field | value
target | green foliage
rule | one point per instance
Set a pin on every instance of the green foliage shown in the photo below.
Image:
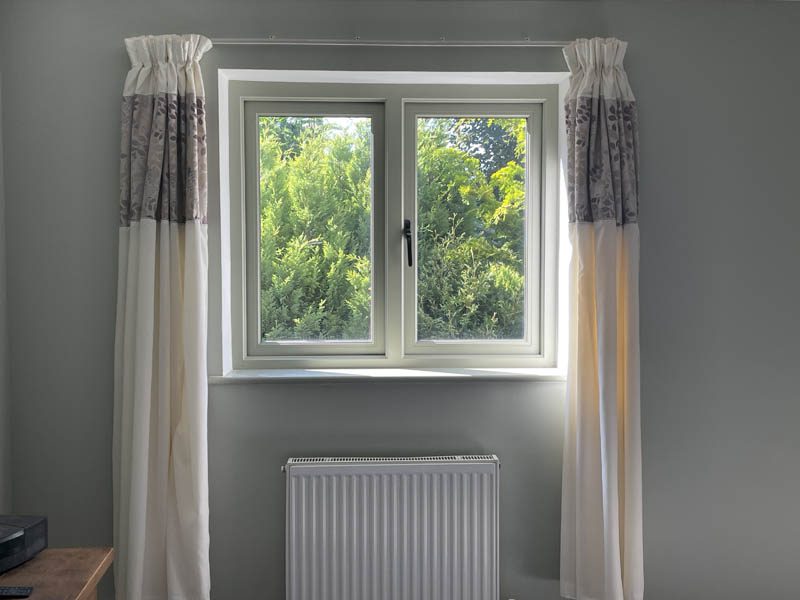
(470, 194)
(315, 228)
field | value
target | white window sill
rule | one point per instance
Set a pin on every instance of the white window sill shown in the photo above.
(305, 375)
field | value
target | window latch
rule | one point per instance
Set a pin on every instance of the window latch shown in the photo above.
(409, 246)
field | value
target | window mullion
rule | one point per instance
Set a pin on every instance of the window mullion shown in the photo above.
(393, 226)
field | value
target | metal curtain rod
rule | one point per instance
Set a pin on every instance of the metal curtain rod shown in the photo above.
(357, 41)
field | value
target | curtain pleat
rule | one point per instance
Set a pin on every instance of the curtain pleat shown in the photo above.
(161, 395)
(601, 530)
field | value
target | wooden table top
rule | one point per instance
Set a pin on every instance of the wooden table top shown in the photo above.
(62, 573)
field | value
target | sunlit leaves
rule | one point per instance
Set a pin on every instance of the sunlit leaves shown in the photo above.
(471, 203)
(315, 199)
(315, 203)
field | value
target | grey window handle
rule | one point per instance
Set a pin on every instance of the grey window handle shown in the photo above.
(409, 245)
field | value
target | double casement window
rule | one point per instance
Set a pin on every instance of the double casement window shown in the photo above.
(393, 224)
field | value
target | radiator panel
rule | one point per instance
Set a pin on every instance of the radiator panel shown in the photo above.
(409, 529)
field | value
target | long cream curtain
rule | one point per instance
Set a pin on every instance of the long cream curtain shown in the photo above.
(161, 388)
(601, 529)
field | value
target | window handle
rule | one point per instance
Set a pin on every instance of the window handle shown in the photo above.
(409, 246)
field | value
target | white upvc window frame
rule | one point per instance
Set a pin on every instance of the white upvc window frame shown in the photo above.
(539, 352)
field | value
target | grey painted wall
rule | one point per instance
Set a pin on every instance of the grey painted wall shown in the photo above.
(5, 390)
(717, 87)
(719, 296)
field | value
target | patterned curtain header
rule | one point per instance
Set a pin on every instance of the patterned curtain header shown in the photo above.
(602, 134)
(163, 173)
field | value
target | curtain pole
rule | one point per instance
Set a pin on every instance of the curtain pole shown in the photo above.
(357, 41)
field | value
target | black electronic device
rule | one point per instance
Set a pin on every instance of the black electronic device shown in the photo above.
(21, 538)
(15, 591)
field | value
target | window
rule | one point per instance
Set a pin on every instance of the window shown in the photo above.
(392, 225)
(472, 185)
(315, 228)
(314, 193)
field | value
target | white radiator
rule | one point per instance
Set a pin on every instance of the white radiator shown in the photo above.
(392, 528)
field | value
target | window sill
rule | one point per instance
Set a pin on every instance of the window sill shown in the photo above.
(347, 375)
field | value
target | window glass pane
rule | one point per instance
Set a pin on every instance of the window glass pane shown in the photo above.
(315, 199)
(471, 228)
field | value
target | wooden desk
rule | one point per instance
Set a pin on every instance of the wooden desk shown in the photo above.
(62, 573)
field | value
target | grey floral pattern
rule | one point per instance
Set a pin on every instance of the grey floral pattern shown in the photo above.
(603, 159)
(163, 162)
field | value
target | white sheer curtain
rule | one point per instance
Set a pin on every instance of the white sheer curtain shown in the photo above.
(601, 529)
(161, 394)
